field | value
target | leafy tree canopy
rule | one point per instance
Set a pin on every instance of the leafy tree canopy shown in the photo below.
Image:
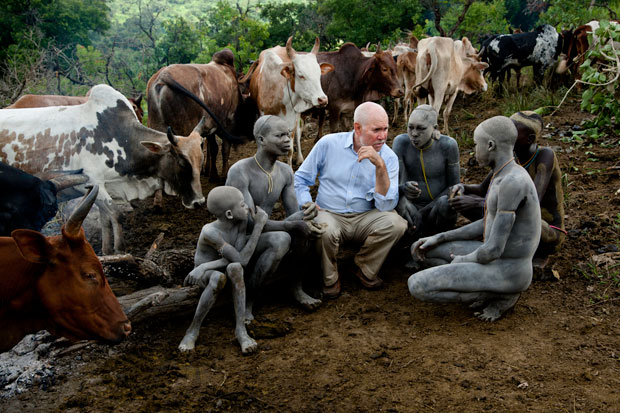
(363, 21)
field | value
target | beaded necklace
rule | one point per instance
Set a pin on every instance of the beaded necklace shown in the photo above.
(529, 162)
(423, 169)
(269, 176)
(484, 223)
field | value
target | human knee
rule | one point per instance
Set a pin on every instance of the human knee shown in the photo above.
(217, 282)
(416, 286)
(234, 271)
(390, 224)
(281, 243)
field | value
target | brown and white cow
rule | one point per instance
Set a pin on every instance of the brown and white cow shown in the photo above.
(213, 85)
(104, 138)
(355, 79)
(285, 83)
(406, 56)
(57, 284)
(444, 67)
(41, 101)
(575, 45)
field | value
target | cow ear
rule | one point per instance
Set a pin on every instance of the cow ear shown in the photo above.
(32, 245)
(287, 70)
(370, 68)
(326, 68)
(481, 65)
(156, 147)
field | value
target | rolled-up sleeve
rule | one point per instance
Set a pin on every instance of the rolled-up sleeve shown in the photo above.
(388, 201)
(305, 176)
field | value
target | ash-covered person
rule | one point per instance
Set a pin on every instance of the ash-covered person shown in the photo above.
(492, 273)
(263, 181)
(544, 169)
(357, 193)
(428, 167)
(224, 245)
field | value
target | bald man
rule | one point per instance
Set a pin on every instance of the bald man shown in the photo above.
(358, 190)
(492, 273)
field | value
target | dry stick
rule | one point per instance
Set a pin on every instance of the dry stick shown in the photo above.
(617, 70)
(602, 302)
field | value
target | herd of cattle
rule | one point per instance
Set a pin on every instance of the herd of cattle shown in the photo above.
(67, 143)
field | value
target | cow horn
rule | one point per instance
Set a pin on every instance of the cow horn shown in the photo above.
(289, 48)
(173, 139)
(378, 48)
(67, 181)
(315, 48)
(74, 223)
(201, 125)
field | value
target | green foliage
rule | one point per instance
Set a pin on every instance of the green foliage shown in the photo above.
(180, 43)
(566, 14)
(300, 20)
(236, 29)
(519, 16)
(362, 21)
(483, 17)
(601, 71)
(64, 23)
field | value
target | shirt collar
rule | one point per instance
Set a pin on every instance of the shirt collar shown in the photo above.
(348, 142)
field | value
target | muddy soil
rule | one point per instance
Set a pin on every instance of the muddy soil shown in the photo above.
(558, 350)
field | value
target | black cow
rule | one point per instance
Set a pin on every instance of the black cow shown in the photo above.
(539, 48)
(29, 202)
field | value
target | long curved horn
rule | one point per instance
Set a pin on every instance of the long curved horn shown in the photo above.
(173, 139)
(289, 48)
(67, 181)
(74, 223)
(315, 48)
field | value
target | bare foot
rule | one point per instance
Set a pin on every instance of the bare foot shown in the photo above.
(540, 262)
(498, 307)
(248, 345)
(249, 317)
(308, 302)
(189, 341)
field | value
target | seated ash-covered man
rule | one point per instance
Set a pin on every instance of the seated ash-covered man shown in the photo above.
(492, 273)
(357, 192)
(224, 249)
(429, 166)
(263, 181)
(544, 169)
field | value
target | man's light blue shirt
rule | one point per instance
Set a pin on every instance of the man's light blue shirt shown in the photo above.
(345, 185)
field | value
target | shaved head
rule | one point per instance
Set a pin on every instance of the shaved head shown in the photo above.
(223, 198)
(367, 112)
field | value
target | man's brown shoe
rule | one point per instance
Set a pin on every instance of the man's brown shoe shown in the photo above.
(368, 283)
(332, 291)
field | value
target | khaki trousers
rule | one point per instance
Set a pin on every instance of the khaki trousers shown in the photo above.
(377, 231)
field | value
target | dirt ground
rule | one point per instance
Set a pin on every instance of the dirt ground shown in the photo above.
(559, 350)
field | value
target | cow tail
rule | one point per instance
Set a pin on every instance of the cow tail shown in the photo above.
(246, 78)
(221, 132)
(432, 69)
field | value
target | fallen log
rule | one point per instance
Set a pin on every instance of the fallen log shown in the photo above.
(158, 300)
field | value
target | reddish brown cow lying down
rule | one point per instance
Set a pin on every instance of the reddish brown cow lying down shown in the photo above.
(56, 284)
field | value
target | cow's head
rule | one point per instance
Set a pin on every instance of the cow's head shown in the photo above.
(179, 166)
(473, 77)
(136, 104)
(304, 74)
(379, 76)
(73, 289)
